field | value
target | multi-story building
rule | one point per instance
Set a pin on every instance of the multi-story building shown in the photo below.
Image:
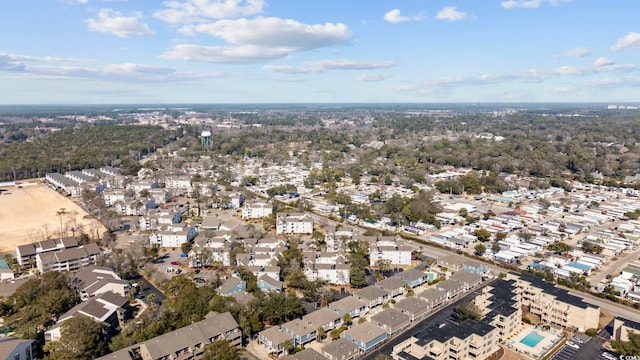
(556, 306)
(469, 339)
(294, 223)
(68, 259)
(185, 343)
(257, 210)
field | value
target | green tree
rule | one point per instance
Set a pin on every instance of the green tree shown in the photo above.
(321, 333)
(630, 347)
(559, 247)
(358, 278)
(81, 339)
(468, 310)
(482, 234)
(480, 249)
(221, 350)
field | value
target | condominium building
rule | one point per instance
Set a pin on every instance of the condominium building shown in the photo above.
(556, 306)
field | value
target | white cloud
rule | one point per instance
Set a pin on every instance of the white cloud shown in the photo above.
(320, 66)
(371, 77)
(631, 40)
(190, 11)
(450, 13)
(56, 68)
(274, 32)
(528, 4)
(578, 52)
(395, 17)
(224, 54)
(113, 22)
(602, 61)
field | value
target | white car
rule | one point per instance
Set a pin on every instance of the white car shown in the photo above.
(609, 356)
(573, 345)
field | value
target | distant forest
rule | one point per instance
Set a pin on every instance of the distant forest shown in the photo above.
(554, 147)
(32, 153)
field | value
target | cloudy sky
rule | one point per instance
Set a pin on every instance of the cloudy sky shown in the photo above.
(286, 51)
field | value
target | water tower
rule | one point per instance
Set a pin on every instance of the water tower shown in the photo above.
(205, 139)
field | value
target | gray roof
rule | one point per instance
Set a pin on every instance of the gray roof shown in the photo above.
(243, 298)
(433, 294)
(8, 345)
(450, 285)
(197, 333)
(299, 327)
(340, 347)
(371, 292)
(229, 285)
(365, 332)
(275, 335)
(391, 284)
(466, 277)
(306, 354)
(321, 317)
(411, 275)
(348, 304)
(391, 318)
(412, 305)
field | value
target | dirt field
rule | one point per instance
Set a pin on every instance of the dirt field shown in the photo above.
(29, 214)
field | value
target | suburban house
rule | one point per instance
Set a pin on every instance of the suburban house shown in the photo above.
(17, 349)
(267, 283)
(413, 277)
(468, 280)
(414, 307)
(392, 285)
(372, 296)
(302, 331)
(185, 343)
(108, 309)
(366, 335)
(95, 280)
(391, 320)
(350, 305)
(451, 287)
(274, 338)
(341, 349)
(231, 286)
(293, 223)
(434, 297)
(326, 318)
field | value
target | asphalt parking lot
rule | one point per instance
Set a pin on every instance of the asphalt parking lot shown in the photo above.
(591, 348)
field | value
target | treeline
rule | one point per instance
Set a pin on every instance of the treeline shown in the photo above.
(75, 148)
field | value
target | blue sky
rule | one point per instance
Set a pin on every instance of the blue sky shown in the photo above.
(263, 51)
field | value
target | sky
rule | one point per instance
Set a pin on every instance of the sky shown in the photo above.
(318, 51)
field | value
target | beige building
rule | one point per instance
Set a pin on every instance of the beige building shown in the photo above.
(556, 306)
(622, 327)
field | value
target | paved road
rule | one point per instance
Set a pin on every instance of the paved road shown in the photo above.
(606, 305)
(440, 316)
(614, 266)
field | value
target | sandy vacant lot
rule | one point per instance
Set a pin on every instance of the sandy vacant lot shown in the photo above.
(29, 214)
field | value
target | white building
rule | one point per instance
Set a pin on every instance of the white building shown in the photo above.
(294, 223)
(394, 255)
(257, 210)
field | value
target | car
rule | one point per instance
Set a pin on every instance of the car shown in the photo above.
(609, 356)
(577, 340)
(175, 263)
(573, 345)
(178, 271)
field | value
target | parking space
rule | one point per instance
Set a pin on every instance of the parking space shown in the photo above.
(566, 353)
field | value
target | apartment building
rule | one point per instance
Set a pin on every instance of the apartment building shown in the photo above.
(556, 306)
(294, 223)
(185, 343)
